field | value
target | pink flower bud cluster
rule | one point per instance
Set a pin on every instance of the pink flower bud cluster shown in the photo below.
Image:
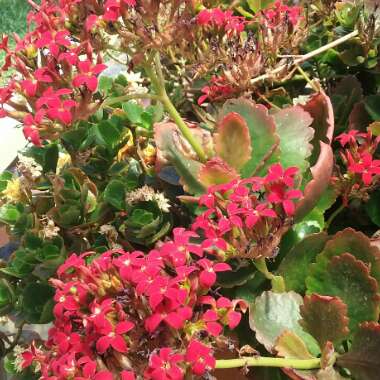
(246, 212)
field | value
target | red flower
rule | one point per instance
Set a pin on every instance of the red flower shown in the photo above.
(175, 317)
(348, 138)
(113, 336)
(278, 194)
(54, 40)
(207, 276)
(366, 166)
(57, 108)
(164, 366)
(254, 215)
(128, 375)
(200, 358)
(218, 90)
(277, 173)
(30, 129)
(88, 74)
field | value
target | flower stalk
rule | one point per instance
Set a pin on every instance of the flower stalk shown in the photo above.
(314, 363)
(158, 81)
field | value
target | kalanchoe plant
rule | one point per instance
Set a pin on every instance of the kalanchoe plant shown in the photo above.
(200, 191)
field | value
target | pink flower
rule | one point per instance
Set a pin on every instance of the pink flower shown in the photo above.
(103, 375)
(174, 317)
(207, 276)
(277, 173)
(200, 358)
(54, 40)
(254, 215)
(366, 166)
(128, 375)
(88, 74)
(165, 366)
(30, 128)
(278, 194)
(113, 336)
(348, 138)
(57, 108)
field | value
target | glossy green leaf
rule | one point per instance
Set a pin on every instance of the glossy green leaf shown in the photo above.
(114, 194)
(295, 265)
(349, 279)
(293, 128)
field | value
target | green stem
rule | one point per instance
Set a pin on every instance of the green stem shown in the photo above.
(269, 362)
(278, 283)
(158, 82)
(124, 98)
(334, 215)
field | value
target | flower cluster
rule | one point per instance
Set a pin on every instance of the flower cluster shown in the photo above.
(219, 89)
(57, 74)
(222, 20)
(361, 170)
(279, 12)
(247, 213)
(134, 314)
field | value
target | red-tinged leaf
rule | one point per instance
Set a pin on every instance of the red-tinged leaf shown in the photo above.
(293, 128)
(262, 131)
(363, 359)
(232, 140)
(349, 279)
(290, 345)
(325, 318)
(320, 108)
(346, 94)
(357, 244)
(215, 172)
(359, 118)
(322, 374)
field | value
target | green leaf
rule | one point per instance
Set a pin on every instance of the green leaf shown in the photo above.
(262, 130)
(140, 218)
(232, 140)
(349, 279)
(9, 214)
(4, 178)
(133, 111)
(105, 84)
(295, 266)
(372, 207)
(258, 5)
(38, 302)
(363, 359)
(325, 318)
(346, 94)
(274, 313)
(372, 106)
(114, 194)
(107, 134)
(293, 127)
(171, 148)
